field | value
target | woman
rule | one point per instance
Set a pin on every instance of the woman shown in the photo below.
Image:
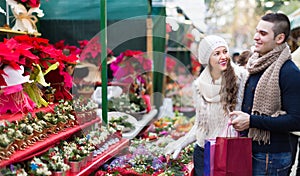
(243, 58)
(216, 92)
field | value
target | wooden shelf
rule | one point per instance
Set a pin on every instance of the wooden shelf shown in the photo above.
(13, 32)
(42, 146)
(101, 159)
(19, 116)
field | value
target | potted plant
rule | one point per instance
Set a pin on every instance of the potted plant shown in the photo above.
(16, 135)
(38, 167)
(71, 153)
(14, 170)
(50, 120)
(55, 162)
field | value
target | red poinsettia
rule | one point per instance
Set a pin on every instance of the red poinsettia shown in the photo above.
(170, 64)
(91, 51)
(29, 3)
(29, 51)
(129, 64)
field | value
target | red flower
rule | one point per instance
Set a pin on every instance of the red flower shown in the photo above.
(2, 81)
(29, 3)
(129, 65)
(170, 64)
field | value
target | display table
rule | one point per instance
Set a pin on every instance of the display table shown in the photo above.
(102, 158)
(138, 124)
(42, 146)
(141, 124)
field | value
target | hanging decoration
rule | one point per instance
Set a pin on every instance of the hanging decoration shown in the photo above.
(26, 14)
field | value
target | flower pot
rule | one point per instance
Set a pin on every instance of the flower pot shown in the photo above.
(58, 173)
(6, 152)
(75, 166)
(90, 157)
(39, 135)
(83, 162)
(52, 128)
(19, 144)
(80, 117)
(31, 139)
(62, 126)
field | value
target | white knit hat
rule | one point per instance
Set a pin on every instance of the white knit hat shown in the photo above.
(207, 45)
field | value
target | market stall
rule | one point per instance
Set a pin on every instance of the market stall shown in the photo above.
(52, 83)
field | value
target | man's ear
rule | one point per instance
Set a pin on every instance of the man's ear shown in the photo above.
(280, 38)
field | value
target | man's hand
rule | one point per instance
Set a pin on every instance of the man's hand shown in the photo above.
(240, 120)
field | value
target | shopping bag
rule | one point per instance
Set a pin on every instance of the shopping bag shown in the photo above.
(233, 156)
(209, 151)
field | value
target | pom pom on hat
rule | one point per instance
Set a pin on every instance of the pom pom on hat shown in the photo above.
(207, 45)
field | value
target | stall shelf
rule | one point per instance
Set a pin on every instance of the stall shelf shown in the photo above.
(101, 159)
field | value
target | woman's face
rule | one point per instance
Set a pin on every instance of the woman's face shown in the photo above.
(219, 59)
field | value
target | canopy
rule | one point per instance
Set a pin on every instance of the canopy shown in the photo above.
(295, 19)
(90, 9)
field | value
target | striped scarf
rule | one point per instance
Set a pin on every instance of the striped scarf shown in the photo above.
(267, 98)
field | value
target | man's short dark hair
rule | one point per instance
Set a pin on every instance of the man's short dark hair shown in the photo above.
(281, 23)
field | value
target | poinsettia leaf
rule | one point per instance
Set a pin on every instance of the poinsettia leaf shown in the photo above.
(2, 80)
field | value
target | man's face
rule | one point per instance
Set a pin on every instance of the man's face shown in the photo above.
(264, 38)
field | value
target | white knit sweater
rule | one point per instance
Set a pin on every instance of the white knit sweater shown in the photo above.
(210, 121)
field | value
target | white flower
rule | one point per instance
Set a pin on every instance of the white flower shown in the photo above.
(4, 140)
(21, 172)
(10, 132)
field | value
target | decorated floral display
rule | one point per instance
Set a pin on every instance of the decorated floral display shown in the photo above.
(16, 170)
(55, 160)
(91, 51)
(127, 103)
(129, 65)
(39, 60)
(8, 133)
(82, 104)
(121, 123)
(24, 11)
(87, 73)
(38, 167)
(29, 3)
(147, 158)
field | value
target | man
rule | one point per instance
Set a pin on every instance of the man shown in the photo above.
(270, 109)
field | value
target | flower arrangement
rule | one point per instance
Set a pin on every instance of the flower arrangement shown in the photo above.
(16, 170)
(127, 103)
(98, 137)
(38, 167)
(55, 160)
(9, 133)
(39, 59)
(120, 123)
(91, 51)
(147, 158)
(29, 3)
(24, 12)
(129, 64)
(71, 151)
(82, 104)
(47, 117)
(4, 140)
